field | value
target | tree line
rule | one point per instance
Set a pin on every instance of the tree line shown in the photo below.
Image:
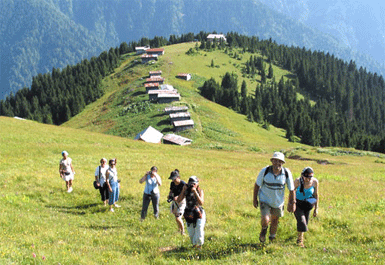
(55, 97)
(349, 109)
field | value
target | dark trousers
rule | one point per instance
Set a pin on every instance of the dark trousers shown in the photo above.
(302, 217)
(104, 192)
(154, 197)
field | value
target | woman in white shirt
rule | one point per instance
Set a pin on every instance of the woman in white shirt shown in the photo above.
(151, 192)
(100, 177)
(66, 170)
(113, 185)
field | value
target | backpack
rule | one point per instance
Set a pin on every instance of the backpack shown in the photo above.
(96, 183)
(269, 168)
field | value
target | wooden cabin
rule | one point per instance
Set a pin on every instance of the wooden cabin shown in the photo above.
(179, 116)
(176, 139)
(183, 125)
(175, 109)
(184, 76)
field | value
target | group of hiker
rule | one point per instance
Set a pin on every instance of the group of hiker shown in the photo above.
(269, 188)
(187, 198)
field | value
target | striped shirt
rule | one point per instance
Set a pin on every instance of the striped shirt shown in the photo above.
(272, 188)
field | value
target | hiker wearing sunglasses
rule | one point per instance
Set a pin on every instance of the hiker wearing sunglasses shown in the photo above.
(269, 188)
(307, 194)
(113, 184)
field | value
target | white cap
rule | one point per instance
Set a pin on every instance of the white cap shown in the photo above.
(193, 179)
(279, 156)
(64, 153)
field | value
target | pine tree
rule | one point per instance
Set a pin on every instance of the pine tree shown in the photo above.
(290, 129)
(271, 73)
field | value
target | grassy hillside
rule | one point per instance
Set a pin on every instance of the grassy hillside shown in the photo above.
(215, 126)
(39, 217)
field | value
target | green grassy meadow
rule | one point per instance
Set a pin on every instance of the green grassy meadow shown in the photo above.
(39, 218)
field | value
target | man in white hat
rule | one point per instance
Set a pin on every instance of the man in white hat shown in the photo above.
(270, 189)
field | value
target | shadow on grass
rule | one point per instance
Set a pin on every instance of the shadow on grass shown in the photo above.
(167, 130)
(210, 254)
(82, 209)
(159, 115)
(102, 227)
(163, 122)
(291, 76)
(76, 209)
(139, 93)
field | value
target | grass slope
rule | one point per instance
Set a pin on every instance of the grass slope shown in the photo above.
(39, 217)
(216, 127)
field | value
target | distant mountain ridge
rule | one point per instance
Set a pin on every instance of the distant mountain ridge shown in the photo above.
(37, 35)
(359, 24)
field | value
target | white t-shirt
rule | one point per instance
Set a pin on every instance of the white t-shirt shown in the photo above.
(272, 188)
(66, 164)
(113, 174)
(102, 173)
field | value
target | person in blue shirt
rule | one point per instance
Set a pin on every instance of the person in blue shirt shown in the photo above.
(151, 192)
(307, 195)
(269, 188)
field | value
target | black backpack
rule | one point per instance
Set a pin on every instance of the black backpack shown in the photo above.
(270, 168)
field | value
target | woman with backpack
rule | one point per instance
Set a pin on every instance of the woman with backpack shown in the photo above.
(194, 214)
(307, 195)
(177, 209)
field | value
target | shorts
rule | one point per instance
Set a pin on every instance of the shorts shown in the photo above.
(268, 210)
(178, 210)
(68, 177)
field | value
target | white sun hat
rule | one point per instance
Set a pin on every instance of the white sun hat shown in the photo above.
(279, 156)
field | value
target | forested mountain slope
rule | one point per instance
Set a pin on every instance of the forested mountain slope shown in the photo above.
(37, 35)
(358, 24)
(278, 85)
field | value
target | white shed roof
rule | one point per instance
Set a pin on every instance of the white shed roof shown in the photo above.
(150, 135)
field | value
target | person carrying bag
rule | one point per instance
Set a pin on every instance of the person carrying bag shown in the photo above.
(307, 195)
(100, 180)
(194, 214)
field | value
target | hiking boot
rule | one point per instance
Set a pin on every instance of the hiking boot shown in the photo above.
(262, 235)
(300, 240)
(271, 239)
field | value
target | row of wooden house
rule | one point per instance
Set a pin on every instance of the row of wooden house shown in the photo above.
(180, 118)
(159, 92)
(163, 93)
(150, 54)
